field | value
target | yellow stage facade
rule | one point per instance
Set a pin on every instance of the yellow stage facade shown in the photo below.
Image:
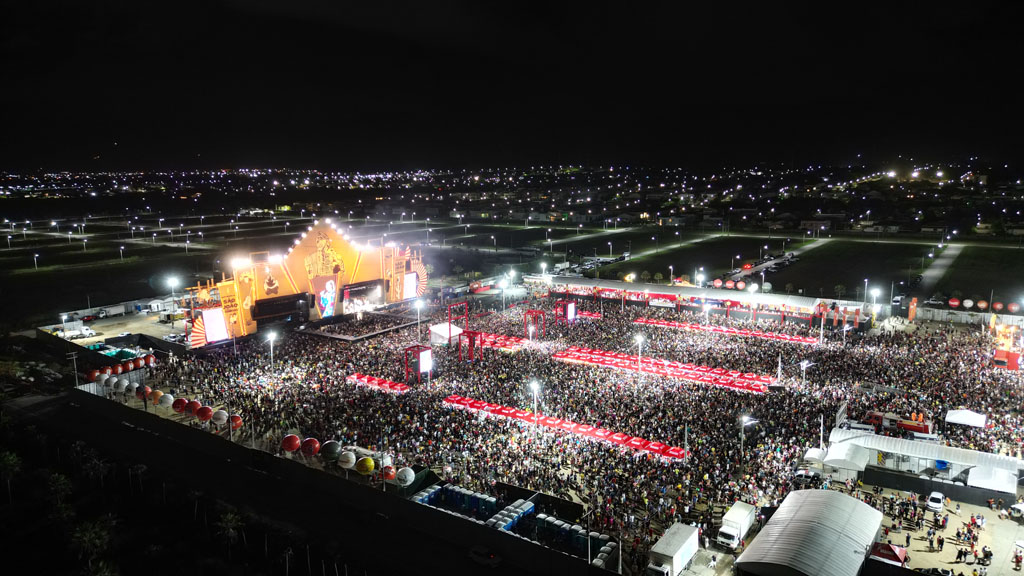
(324, 270)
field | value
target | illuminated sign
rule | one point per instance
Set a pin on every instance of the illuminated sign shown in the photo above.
(426, 361)
(216, 329)
(409, 283)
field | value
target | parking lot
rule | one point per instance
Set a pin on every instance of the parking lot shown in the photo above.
(141, 323)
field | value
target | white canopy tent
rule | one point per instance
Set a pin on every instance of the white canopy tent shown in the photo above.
(847, 456)
(813, 533)
(992, 479)
(816, 455)
(966, 417)
(441, 333)
(924, 450)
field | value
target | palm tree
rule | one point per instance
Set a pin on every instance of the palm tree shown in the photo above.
(658, 277)
(840, 290)
(645, 276)
(10, 465)
(96, 469)
(59, 486)
(789, 288)
(91, 539)
(229, 525)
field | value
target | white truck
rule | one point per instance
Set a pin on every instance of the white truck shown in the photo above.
(83, 332)
(674, 551)
(735, 524)
(109, 311)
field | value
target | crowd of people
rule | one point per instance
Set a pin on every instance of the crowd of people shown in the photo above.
(631, 494)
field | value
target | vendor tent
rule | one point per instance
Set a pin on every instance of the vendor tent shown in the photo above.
(992, 479)
(848, 456)
(813, 533)
(816, 455)
(889, 553)
(965, 417)
(441, 333)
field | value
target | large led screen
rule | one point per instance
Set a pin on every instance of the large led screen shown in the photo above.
(213, 319)
(409, 284)
(362, 296)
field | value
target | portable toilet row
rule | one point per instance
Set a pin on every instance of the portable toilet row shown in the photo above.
(511, 514)
(428, 495)
(465, 499)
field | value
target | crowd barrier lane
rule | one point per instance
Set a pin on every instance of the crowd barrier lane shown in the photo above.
(747, 382)
(617, 438)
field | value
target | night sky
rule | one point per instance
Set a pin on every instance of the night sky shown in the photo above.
(378, 85)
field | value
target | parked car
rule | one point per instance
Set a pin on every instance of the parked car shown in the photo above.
(936, 501)
(806, 476)
(88, 318)
(934, 302)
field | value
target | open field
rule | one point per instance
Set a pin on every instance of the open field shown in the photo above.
(848, 263)
(981, 271)
(715, 254)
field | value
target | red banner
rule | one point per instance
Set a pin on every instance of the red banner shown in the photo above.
(378, 383)
(726, 330)
(618, 438)
(734, 379)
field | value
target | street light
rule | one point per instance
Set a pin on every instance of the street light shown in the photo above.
(732, 265)
(543, 268)
(503, 284)
(493, 239)
(172, 281)
(671, 274)
(419, 306)
(84, 240)
(35, 260)
(639, 350)
(122, 253)
(535, 388)
(270, 338)
(804, 365)
(744, 422)
(609, 249)
(700, 280)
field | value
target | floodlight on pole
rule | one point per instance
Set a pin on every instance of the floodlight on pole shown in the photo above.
(270, 338)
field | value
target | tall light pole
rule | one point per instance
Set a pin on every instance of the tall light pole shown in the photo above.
(9, 240)
(609, 249)
(69, 237)
(63, 324)
(270, 338)
(419, 306)
(122, 253)
(804, 365)
(657, 244)
(84, 240)
(173, 282)
(744, 422)
(535, 388)
(543, 268)
(865, 305)
(732, 264)
(35, 260)
(639, 350)
(671, 274)
(495, 240)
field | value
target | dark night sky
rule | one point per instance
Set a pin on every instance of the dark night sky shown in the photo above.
(368, 85)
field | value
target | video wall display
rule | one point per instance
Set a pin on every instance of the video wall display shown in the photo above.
(362, 297)
(410, 282)
(216, 329)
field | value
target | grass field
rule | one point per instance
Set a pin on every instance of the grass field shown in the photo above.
(714, 254)
(848, 263)
(981, 271)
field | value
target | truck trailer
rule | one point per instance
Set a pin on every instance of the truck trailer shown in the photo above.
(735, 524)
(674, 551)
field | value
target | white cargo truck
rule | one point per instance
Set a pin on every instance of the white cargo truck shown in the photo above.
(735, 524)
(674, 551)
(112, 311)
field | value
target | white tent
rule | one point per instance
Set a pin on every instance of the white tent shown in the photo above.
(992, 479)
(441, 333)
(925, 450)
(848, 456)
(813, 533)
(815, 455)
(965, 417)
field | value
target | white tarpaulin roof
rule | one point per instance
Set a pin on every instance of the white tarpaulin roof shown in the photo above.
(992, 479)
(815, 455)
(439, 332)
(814, 533)
(925, 450)
(847, 456)
(965, 417)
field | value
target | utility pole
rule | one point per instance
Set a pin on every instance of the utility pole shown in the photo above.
(73, 356)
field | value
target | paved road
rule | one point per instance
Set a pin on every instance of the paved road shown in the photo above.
(938, 268)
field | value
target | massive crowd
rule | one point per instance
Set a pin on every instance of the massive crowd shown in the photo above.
(628, 493)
